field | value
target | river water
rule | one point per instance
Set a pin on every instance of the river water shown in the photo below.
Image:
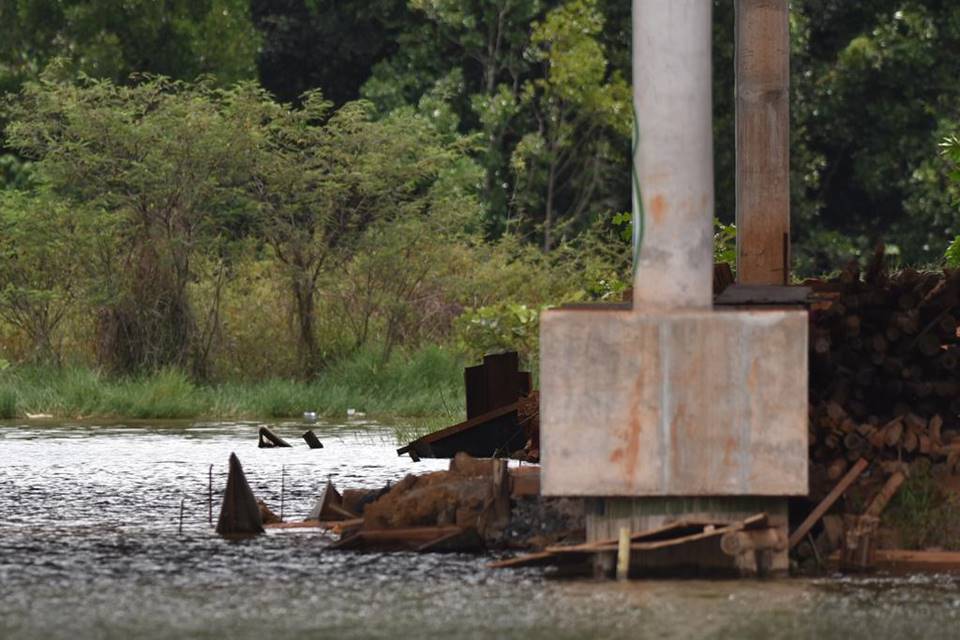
(89, 548)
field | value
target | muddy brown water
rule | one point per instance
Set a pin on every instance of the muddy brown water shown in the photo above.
(89, 549)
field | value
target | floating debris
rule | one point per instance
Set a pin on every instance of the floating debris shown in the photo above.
(312, 440)
(267, 439)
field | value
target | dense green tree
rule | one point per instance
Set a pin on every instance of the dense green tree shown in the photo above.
(330, 45)
(168, 163)
(324, 177)
(876, 91)
(45, 246)
(113, 38)
(567, 161)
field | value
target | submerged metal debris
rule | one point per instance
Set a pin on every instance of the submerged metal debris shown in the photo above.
(240, 513)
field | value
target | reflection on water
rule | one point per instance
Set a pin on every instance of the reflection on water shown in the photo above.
(89, 549)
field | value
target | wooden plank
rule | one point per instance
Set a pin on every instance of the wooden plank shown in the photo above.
(672, 542)
(763, 141)
(672, 530)
(828, 501)
(661, 538)
(267, 439)
(905, 560)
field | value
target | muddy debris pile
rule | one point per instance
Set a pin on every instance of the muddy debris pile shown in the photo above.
(477, 504)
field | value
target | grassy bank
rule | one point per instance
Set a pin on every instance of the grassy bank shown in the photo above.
(426, 384)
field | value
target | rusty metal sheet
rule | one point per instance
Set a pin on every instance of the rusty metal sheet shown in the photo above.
(680, 403)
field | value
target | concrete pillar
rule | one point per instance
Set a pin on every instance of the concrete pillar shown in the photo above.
(674, 154)
(763, 141)
(671, 410)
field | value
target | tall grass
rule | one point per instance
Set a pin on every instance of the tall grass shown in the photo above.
(8, 403)
(424, 384)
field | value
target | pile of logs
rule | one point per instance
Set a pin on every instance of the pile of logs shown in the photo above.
(885, 367)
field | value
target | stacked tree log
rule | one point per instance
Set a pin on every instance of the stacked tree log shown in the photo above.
(884, 368)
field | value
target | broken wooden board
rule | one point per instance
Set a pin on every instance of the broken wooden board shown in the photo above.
(267, 439)
(493, 434)
(904, 561)
(824, 506)
(657, 547)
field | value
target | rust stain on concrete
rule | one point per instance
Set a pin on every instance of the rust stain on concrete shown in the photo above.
(630, 453)
(729, 449)
(658, 208)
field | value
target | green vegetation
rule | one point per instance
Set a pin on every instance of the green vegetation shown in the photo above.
(923, 513)
(426, 385)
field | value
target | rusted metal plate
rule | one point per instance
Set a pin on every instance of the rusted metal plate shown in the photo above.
(683, 403)
(495, 383)
(493, 434)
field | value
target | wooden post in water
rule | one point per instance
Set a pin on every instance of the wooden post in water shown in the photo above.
(210, 496)
(623, 554)
(180, 528)
(763, 141)
(283, 479)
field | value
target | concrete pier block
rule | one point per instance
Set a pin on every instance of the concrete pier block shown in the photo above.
(674, 403)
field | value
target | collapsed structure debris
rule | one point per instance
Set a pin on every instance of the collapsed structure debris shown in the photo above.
(474, 505)
(739, 548)
(502, 416)
(267, 439)
(312, 440)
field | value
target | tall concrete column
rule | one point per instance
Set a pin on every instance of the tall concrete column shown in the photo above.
(674, 155)
(763, 141)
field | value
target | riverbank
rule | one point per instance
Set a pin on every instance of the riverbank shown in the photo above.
(426, 385)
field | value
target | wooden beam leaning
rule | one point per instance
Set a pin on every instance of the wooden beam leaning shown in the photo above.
(827, 502)
(763, 141)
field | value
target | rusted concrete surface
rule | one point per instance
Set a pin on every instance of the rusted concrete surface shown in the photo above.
(685, 403)
(674, 151)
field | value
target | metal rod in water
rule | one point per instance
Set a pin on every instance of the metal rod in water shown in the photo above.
(283, 473)
(180, 528)
(210, 496)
